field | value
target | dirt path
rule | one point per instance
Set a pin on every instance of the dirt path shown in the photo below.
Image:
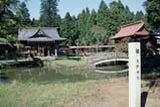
(112, 94)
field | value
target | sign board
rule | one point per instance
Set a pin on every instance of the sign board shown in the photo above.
(134, 74)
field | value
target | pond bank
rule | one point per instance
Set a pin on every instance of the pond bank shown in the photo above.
(26, 62)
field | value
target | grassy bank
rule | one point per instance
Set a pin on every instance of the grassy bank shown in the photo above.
(17, 94)
(69, 63)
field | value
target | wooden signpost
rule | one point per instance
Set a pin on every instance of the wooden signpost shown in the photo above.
(134, 74)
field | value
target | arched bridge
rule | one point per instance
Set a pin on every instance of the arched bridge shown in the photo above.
(106, 57)
(111, 60)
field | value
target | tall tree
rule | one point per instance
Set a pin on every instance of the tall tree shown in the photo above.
(93, 17)
(48, 12)
(119, 14)
(23, 15)
(139, 16)
(68, 29)
(35, 22)
(102, 15)
(8, 23)
(83, 24)
(7, 7)
(153, 14)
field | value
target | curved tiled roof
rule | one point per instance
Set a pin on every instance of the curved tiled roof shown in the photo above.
(30, 34)
(132, 29)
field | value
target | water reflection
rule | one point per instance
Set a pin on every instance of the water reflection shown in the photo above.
(47, 74)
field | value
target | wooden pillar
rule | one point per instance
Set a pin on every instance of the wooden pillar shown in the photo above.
(55, 52)
(48, 52)
(42, 51)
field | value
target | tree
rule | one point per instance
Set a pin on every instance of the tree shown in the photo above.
(8, 23)
(153, 14)
(35, 22)
(7, 7)
(98, 35)
(93, 17)
(68, 29)
(139, 16)
(122, 45)
(119, 14)
(48, 12)
(23, 15)
(103, 15)
(83, 26)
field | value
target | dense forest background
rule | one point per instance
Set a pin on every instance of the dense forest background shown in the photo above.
(88, 28)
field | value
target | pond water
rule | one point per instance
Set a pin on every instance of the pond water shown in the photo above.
(56, 73)
(112, 68)
(46, 74)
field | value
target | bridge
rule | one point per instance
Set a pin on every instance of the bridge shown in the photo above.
(106, 57)
(111, 60)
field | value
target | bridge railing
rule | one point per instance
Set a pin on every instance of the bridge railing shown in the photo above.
(106, 56)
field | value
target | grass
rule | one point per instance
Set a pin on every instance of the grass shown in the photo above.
(69, 63)
(17, 94)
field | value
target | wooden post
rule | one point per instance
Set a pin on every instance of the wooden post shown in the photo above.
(134, 74)
(55, 52)
(48, 51)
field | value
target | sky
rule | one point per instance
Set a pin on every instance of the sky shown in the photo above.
(76, 6)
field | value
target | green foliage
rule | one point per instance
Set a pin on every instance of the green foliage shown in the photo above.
(83, 26)
(102, 15)
(13, 14)
(153, 14)
(23, 15)
(7, 20)
(91, 27)
(35, 23)
(48, 12)
(139, 15)
(68, 29)
(99, 35)
(118, 15)
(122, 45)
(88, 28)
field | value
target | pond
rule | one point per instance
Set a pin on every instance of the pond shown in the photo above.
(109, 68)
(61, 71)
(47, 74)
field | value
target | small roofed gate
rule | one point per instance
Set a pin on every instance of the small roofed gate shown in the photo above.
(40, 41)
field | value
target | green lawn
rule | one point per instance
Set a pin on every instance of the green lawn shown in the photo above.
(17, 94)
(69, 63)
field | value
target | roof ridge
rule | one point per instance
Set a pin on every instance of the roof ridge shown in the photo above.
(129, 24)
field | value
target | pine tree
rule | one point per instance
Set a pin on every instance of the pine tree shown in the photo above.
(8, 23)
(48, 12)
(139, 16)
(23, 15)
(93, 17)
(35, 22)
(68, 29)
(119, 14)
(102, 15)
(83, 26)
